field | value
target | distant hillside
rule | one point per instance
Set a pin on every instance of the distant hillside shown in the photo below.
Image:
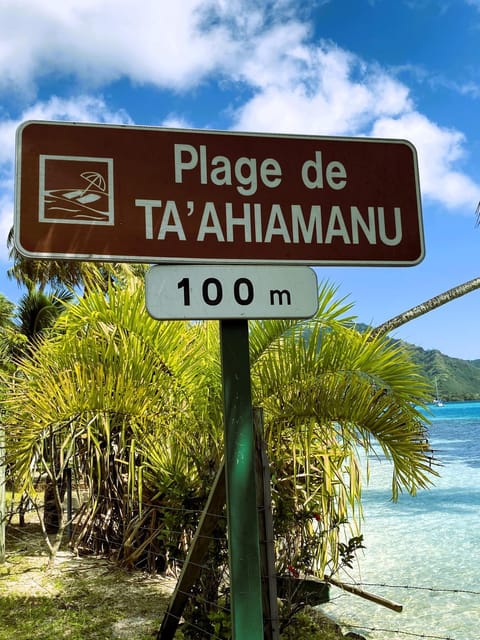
(456, 379)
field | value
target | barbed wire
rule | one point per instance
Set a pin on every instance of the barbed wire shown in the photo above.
(408, 586)
(161, 507)
(15, 530)
(398, 631)
(206, 568)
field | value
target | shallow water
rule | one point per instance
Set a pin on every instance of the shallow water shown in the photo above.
(429, 543)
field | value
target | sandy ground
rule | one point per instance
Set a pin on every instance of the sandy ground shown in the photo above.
(91, 582)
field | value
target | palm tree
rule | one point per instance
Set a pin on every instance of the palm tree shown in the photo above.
(122, 388)
(427, 306)
(23, 327)
(34, 319)
(431, 304)
(6, 324)
(40, 274)
(37, 312)
(7, 309)
(329, 391)
(135, 405)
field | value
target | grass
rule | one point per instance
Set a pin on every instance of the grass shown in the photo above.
(309, 625)
(91, 599)
(80, 598)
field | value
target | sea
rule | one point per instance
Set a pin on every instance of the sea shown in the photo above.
(422, 552)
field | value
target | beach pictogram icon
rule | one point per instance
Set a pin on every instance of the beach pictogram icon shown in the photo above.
(76, 190)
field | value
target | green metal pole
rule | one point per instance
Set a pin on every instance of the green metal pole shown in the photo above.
(243, 533)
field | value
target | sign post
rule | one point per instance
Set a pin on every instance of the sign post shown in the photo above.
(177, 197)
(242, 515)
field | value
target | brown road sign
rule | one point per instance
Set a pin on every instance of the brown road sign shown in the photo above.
(102, 192)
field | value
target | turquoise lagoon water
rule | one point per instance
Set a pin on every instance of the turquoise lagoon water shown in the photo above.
(429, 543)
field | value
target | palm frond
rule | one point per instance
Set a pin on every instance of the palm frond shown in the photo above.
(138, 404)
(332, 312)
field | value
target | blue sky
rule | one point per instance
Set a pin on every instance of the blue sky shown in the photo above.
(390, 69)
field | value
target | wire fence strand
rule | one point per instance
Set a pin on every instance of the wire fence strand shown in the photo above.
(418, 588)
(400, 632)
(209, 566)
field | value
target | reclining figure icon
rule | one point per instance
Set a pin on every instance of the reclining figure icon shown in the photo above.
(87, 197)
(77, 204)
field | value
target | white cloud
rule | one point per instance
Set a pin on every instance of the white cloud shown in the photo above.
(325, 90)
(474, 3)
(174, 121)
(438, 151)
(82, 108)
(296, 85)
(79, 109)
(99, 41)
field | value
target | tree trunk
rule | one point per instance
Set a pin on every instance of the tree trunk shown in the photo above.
(53, 497)
(429, 305)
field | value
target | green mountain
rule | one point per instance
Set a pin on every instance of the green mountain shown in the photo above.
(456, 379)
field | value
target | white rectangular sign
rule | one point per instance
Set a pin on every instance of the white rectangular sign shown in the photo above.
(202, 292)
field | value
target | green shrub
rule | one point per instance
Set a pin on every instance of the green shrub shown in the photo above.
(309, 625)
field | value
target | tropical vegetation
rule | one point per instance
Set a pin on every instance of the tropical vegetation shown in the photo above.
(132, 407)
(428, 305)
